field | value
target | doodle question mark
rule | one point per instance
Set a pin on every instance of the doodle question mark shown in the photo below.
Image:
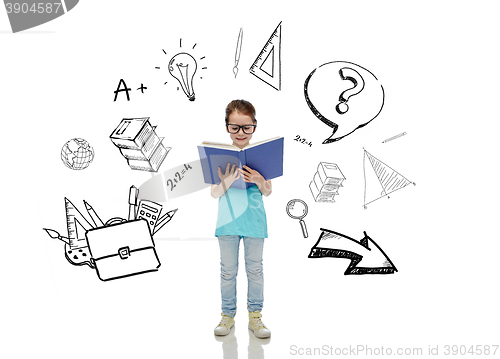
(347, 73)
(367, 106)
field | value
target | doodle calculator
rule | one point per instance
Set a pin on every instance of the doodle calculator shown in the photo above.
(150, 211)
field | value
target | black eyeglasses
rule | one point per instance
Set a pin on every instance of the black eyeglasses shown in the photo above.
(247, 129)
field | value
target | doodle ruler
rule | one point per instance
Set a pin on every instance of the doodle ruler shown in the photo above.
(267, 66)
(75, 219)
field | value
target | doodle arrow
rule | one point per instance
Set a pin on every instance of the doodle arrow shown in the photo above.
(365, 255)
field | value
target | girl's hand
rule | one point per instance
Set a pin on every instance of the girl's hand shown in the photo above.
(230, 175)
(252, 176)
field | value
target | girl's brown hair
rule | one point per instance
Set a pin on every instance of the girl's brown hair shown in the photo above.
(242, 106)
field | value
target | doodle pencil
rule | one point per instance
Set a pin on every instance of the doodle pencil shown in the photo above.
(163, 220)
(394, 137)
(95, 218)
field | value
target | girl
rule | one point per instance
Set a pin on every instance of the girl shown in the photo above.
(241, 215)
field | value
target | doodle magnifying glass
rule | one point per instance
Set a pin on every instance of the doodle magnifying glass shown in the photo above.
(297, 209)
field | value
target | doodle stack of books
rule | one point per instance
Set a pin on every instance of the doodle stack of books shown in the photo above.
(139, 144)
(326, 182)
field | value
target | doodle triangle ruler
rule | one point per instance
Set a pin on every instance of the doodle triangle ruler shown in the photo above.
(267, 66)
(77, 225)
(380, 179)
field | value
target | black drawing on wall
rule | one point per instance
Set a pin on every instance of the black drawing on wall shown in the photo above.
(237, 54)
(139, 144)
(267, 65)
(76, 249)
(394, 137)
(119, 247)
(122, 249)
(358, 84)
(366, 256)
(344, 96)
(297, 209)
(380, 179)
(326, 182)
(183, 66)
(77, 154)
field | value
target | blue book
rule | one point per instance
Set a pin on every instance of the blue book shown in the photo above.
(266, 157)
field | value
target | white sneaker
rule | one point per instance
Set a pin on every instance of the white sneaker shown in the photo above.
(225, 325)
(255, 324)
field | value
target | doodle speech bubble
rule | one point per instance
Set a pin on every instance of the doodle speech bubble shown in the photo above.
(328, 88)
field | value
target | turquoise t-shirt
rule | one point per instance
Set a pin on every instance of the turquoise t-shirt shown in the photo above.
(241, 212)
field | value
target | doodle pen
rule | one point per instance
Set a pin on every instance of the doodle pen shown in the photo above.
(132, 202)
(394, 137)
(95, 218)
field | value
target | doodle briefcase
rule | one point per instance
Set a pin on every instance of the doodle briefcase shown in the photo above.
(122, 250)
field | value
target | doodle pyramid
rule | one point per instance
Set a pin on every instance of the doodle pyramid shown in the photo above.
(380, 179)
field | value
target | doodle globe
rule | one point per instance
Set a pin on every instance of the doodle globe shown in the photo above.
(77, 154)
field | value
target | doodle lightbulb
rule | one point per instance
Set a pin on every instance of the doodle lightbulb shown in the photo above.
(183, 67)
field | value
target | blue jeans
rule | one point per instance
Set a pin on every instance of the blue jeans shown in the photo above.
(229, 249)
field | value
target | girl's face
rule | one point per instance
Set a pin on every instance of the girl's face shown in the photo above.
(240, 139)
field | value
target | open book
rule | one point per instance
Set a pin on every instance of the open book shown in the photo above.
(266, 157)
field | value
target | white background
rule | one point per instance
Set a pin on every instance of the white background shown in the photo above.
(438, 63)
